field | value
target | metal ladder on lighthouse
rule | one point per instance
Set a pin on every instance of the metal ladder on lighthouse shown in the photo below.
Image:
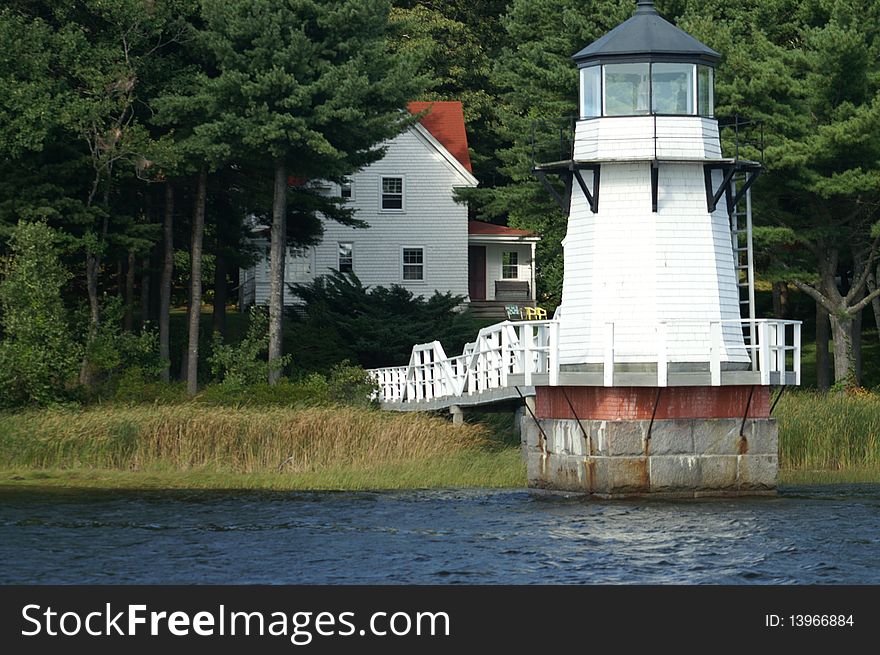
(744, 260)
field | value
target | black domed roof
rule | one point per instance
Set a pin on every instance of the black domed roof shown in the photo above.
(647, 36)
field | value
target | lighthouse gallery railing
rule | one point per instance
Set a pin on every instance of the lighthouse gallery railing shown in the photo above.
(522, 353)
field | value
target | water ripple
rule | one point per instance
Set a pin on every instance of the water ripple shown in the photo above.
(807, 535)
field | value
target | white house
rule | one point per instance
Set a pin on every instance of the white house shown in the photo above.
(418, 236)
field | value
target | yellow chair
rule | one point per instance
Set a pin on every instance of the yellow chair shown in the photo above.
(536, 314)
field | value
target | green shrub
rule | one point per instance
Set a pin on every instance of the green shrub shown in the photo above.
(135, 387)
(114, 353)
(245, 364)
(350, 385)
(343, 385)
(372, 326)
(39, 357)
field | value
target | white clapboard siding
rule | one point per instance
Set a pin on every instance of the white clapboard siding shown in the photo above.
(621, 138)
(431, 220)
(632, 267)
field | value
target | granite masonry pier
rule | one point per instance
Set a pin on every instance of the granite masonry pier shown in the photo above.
(603, 442)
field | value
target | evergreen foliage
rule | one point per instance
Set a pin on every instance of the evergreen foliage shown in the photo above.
(373, 326)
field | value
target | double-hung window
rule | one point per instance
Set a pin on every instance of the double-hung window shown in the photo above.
(346, 258)
(345, 190)
(392, 194)
(413, 264)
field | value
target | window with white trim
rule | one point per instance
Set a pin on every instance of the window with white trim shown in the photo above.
(346, 258)
(510, 265)
(345, 190)
(392, 194)
(413, 264)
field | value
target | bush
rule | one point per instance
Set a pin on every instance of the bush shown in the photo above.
(245, 364)
(135, 387)
(375, 326)
(39, 357)
(117, 356)
(344, 385)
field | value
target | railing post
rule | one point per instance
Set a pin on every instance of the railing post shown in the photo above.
(418, 376)
(773, 343)
(715, 353)
(553, 354)
(428, 374)
(662, 367)
(527, 336)
(505, 355)
(796, 353)
(482, 373)
(609, 355)
(764, 351)
(441, 387)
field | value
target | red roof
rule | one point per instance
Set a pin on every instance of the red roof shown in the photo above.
(480, 227)
(445, 122)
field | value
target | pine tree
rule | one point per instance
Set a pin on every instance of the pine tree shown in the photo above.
(312, 89)
(538, 84)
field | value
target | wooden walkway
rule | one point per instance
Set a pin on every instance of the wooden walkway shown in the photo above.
(508, 360)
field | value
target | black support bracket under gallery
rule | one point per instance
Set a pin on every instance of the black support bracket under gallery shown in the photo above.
(569, 172)
(751, 170)
(655, 184)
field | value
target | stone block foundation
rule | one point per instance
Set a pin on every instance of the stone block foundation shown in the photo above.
(688, 456)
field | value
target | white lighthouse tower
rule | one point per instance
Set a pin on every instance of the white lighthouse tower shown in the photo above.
(664, 372)
(646, 244)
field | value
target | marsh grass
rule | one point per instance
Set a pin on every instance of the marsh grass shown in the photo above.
(233, 440)
(476, 469)
(829, 432)
(822, 438)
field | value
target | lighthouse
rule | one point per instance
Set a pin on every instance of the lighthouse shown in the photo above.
(655, 376)
(663, 374)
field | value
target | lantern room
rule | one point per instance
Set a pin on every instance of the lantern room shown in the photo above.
(646, 66)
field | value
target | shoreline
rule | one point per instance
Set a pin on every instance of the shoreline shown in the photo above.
(482, 470)
(191, 446)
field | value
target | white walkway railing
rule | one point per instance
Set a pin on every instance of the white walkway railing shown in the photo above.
(527, 349)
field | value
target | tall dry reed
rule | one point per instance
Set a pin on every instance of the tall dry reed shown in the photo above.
(247, 440)
(829, 431)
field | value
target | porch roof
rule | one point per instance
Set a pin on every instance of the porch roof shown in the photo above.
(482, 231)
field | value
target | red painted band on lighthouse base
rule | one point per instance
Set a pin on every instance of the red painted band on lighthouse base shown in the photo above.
(637, 403)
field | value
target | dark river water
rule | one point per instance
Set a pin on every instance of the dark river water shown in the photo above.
(806, 535)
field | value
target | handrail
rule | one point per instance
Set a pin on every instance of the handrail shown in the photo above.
(530, 348)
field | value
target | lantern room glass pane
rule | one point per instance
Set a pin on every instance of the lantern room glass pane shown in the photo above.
(627, 89)
(591, 92)
(705, 91)
(673, 88)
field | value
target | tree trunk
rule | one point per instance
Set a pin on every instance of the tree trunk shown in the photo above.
(165, 283)
(145, 291)
(857, 347)
(277, 248)
(93, 268)
(857, 341)
(823, 360)
(844, 361)
(218, 322)
(128, 317)
(875, 303)
(93, 264)
(184, 351)
(198, 232)
(780, 299)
